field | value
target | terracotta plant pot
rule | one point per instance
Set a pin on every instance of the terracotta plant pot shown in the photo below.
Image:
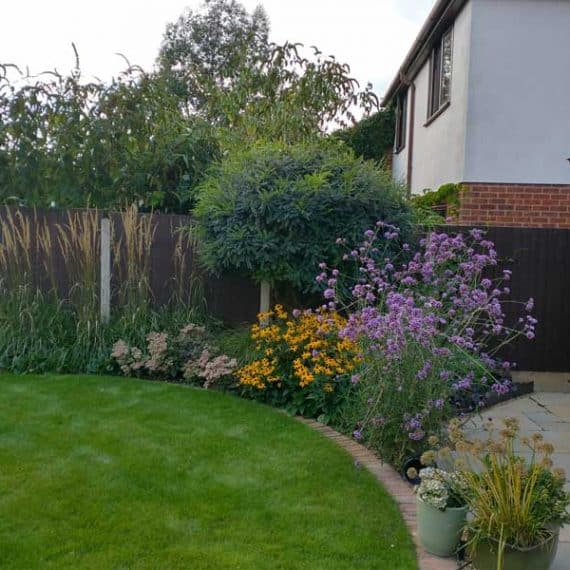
(439, 532)
(538, 557)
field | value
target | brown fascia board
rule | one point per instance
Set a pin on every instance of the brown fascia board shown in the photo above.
(440, 18)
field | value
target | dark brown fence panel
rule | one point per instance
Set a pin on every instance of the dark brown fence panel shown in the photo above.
(43, 225)
(174, 270)
(540, 262)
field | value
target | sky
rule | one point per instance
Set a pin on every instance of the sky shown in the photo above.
(372, 36)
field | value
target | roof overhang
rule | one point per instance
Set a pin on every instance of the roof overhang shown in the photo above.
(440, 18)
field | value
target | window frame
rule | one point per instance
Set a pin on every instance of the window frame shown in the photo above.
(401, 122)
(436, 103)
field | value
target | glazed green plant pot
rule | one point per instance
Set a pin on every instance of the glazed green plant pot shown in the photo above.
(439, 532)
(539, 557)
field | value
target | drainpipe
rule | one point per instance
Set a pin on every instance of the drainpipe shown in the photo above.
(412, 91)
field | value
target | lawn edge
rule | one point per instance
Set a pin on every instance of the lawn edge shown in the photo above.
(401, 492)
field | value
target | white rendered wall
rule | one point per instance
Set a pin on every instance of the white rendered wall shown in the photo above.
(439, 147)
(518, 127)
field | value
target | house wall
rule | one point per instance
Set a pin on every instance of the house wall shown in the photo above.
(515, 205)
(439, 147)
(518, 120)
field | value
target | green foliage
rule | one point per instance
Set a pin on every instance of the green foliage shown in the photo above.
(237, 343)
(148, 138)
(220, 61)
(210, 47)
(425, 217)
(446, 197)
(372, 137)
(39, 333)
(74, 143)
(274, 212)
(292, 96)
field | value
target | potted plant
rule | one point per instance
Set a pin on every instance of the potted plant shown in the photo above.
(441, 510)
(515, 496)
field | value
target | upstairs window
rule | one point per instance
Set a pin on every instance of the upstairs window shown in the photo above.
(401, 120)
(440, 76)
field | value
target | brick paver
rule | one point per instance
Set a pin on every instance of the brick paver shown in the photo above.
(401, 491)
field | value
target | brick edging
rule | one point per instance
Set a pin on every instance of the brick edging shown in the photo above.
(401, 491)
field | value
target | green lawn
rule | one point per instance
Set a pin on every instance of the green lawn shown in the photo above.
(102, 473)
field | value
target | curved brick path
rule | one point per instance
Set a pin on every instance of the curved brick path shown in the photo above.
(394, 484)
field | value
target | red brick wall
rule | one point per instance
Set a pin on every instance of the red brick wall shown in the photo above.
(517, 205)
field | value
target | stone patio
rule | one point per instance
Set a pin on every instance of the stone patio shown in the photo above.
(549, 414)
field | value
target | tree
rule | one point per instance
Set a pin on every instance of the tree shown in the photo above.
(293, 96)
(73, 143)
(222, 63)
(372, 137)
(211, 47)
(274, 212)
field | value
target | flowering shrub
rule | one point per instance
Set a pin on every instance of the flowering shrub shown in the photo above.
(187, 355)
(302, 362)
(442, 489)
(430, 328)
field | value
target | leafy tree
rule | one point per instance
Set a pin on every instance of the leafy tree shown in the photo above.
(74, 143)
(256, 90)
(274, 212)
(211, 46)
(292, 97)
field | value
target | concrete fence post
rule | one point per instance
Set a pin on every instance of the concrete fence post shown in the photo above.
(264, 297)
(105, 293)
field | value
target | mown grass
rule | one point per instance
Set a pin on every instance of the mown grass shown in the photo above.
(108, 473)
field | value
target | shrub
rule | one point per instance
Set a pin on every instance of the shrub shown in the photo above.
(74, 143)
(442, 202)
(274, 212)
(430, 329)
(188, 355)
(373, 137)
(301, 364)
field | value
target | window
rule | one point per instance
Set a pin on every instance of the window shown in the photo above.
(440, 78)
(401, 120)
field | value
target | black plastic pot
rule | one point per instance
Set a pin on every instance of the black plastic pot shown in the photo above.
(412, 462)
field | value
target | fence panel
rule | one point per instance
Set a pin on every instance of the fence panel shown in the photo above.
(172, 269)
(540, 262)
(539, 259)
